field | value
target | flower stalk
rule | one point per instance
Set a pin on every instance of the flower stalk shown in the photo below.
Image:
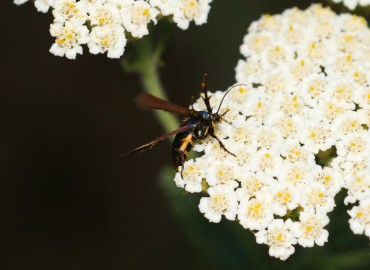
(146, 62)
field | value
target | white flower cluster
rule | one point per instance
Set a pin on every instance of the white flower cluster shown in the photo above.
(307, 95)
(352, 4)
(105, 25)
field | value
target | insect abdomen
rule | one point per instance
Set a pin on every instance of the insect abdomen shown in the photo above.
(181, 147)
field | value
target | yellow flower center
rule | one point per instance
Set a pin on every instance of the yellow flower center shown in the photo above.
(146, 12)
(279, 237)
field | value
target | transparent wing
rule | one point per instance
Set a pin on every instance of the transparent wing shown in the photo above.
(149, 102)
(150, 144)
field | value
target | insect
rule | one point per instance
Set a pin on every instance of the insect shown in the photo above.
(196, 126)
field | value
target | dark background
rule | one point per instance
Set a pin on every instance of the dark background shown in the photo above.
(67, 198)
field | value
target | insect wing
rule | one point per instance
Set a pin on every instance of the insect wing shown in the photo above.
(159, 139)
(149, 102)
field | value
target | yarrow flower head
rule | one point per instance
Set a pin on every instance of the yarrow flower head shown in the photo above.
(104, 26)
(352, 4)
(299, 129)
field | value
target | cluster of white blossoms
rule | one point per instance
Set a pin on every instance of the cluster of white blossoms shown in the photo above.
(105, 25)
(352, 4)
(307, 96)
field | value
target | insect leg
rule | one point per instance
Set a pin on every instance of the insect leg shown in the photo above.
(182, 170)
(223, 119)
(221, 144)
(225, 112)
(192, 102)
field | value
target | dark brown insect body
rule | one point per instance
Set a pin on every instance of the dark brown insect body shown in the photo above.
(202, 124)
(197, 125)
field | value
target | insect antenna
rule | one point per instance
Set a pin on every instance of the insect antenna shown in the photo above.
(227, 91)
(206, 98)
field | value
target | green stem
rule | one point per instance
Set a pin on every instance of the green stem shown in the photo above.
(146, 64)
(152, 84)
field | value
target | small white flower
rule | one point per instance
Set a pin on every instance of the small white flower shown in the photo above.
(315, 196)
(167, 7)
(297, 173)
(311, 228)
(69, 38)
(240, 94)
(360, 218)
(358, 185)
(354, 146)
(244, 135)
(212, 149)
(245, 68)
(276, 81)
(289, 126)
(362, 97)
(251, 184)
(257, 107)
(189, 10)
(280, 238)
(69, 10)
(328, 110)
(137, 16)
(222, 201)
(269, 138)
(106, 14)
(256, 213)
(350, 122)
(314, 86)
(90, 4)
(267, 161)
(293, 152)
(242, 157)
(339, 92)
(330, 179)
(352, 4)
(255, 43)
(44, 5)
(109, 39)
(224, 173)
(191, 178)
(285, 197)
(20, 2)
(318, 136)
(302, 67)
(275, 54)
(360, 81)
(266, 23)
